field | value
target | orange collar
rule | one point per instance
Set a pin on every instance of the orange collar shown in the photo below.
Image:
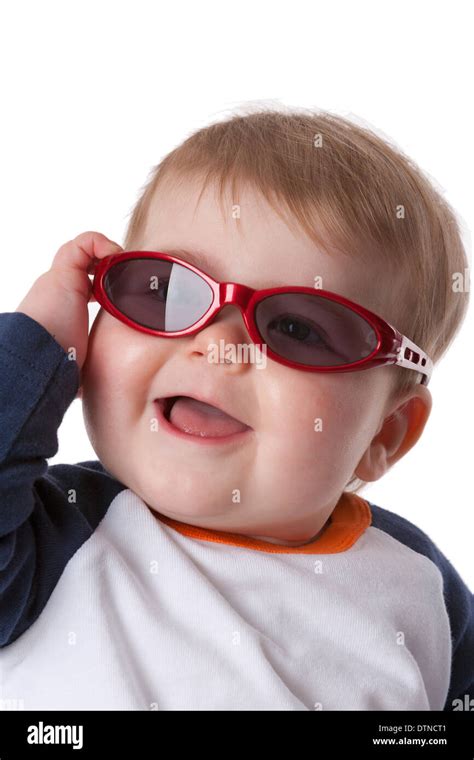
(349, 519)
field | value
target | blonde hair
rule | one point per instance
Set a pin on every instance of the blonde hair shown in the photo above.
(350, 191)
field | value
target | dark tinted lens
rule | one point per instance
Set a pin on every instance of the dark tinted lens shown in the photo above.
(158, 294)
(313, 330)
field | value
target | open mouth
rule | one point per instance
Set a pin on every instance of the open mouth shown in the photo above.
(191, 417)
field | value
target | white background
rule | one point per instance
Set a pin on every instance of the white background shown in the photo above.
(95, 94)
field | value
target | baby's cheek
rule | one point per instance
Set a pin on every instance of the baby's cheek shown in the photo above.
(102, 391)
(110, 368)
(310, 415)
(325, 431)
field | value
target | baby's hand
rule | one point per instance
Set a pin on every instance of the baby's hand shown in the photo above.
(58, 298)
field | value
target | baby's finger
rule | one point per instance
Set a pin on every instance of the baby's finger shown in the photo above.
(83, 251)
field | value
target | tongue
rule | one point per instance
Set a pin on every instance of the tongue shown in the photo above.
(197, 418)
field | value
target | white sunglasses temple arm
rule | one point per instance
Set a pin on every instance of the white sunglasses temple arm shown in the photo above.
(411, 356)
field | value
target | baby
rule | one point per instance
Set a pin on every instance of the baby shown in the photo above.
(215, 556)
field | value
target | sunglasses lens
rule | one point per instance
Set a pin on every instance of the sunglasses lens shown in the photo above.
(313, 330)
(158, 294)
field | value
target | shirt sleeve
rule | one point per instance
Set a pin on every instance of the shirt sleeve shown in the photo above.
(458, 598)
(460, 605)
(40, 525)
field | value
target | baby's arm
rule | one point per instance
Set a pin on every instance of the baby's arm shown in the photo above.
(460, 605)
(37, 525)
(41, 523)
(459, 601)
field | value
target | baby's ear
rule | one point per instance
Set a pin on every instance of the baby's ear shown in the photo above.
(397, 434)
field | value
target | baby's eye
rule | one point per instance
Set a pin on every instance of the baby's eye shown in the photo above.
(298, 329)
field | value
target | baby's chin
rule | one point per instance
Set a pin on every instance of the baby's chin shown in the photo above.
(203, 514)
(234, 524)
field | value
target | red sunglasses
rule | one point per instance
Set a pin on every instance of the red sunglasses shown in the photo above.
(301, 327)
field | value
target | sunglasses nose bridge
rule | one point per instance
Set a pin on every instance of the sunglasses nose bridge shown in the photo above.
(235, 293)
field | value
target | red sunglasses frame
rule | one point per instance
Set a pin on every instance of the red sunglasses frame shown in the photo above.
(392, 347)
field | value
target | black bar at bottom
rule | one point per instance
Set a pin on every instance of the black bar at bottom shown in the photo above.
(149, 734)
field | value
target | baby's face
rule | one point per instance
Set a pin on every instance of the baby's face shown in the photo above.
(282, 478)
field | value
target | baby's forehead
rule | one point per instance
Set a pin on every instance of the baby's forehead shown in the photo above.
(258, 247)
(368, 291)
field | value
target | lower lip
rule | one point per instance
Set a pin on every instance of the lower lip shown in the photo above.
(200, 439)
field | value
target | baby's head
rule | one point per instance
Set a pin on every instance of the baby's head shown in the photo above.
(272, 199)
